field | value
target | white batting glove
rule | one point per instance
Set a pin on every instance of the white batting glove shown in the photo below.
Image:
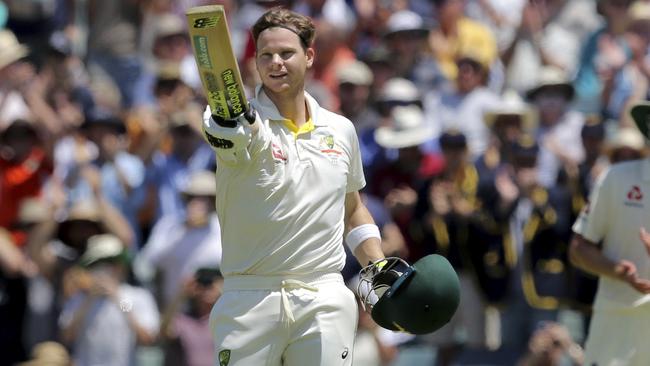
(226, 135)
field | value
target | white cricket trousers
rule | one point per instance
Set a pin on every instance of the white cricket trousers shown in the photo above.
(291, 321)
(619, 337)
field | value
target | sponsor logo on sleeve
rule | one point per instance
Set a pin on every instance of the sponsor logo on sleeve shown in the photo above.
(634, 197)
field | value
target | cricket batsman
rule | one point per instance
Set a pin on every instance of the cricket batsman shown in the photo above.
(288, 177)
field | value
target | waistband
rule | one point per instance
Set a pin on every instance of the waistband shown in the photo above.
(257, 282)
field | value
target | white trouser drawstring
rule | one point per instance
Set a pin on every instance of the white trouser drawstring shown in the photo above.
(288, 285)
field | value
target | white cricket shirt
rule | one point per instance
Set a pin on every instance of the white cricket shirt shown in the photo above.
(282, 212)
(618, 207)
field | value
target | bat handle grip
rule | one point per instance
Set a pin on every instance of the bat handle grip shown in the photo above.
(248, 115)
(231, 123)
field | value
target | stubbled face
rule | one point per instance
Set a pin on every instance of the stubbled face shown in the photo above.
(281, 61)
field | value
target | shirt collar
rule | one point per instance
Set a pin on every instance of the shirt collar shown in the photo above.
(272, 112)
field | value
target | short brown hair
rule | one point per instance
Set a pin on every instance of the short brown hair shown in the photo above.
(299, 24)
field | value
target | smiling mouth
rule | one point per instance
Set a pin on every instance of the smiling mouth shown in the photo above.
(278, 76)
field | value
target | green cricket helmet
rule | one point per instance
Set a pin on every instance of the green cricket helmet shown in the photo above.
(422, 299)
(640, 113)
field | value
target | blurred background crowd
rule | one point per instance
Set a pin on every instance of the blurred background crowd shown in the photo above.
(483, 125)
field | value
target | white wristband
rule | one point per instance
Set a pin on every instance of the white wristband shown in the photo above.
(361, 233)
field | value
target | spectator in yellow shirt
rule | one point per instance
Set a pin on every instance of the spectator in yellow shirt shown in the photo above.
(456, 35)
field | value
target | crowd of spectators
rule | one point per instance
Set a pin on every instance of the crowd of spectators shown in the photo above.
(483, 125)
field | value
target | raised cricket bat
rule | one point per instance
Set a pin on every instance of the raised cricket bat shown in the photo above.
(216, 60)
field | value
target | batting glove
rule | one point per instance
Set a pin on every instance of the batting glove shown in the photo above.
(228, 134)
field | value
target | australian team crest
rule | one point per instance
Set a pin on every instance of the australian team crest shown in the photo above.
(327, 146)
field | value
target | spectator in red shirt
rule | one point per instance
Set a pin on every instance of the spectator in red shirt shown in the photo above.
(24, 167)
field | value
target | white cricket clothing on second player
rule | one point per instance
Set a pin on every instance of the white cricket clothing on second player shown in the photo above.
(618, 207)
(315, 326)
(282, 212)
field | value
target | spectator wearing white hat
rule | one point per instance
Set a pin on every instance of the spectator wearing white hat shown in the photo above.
(405, 37)
(179, 244)
(355, 82)
(169, 49)
(105, 322)
(399, 180)
(395, 92)
(11, 52)
(21, 89)
(559, 128)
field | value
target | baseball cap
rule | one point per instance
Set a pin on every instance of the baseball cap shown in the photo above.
(405, 21)
(103, 247)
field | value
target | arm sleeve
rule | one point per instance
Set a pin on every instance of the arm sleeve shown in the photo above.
(356, 179)
(260, 140)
